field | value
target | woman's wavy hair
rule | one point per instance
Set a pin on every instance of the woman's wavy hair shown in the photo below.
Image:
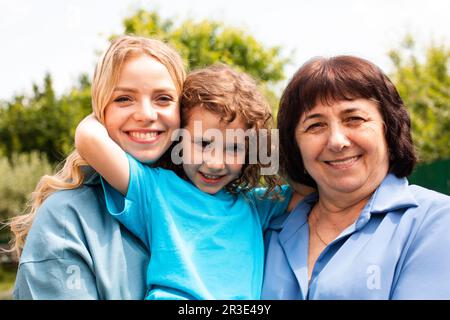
(340, 78)
(106, 76)
(229, 93)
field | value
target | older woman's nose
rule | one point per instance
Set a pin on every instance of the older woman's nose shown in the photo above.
(338, 139)
(146, 111)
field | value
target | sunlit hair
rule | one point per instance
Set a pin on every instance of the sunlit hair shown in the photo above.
(106, 77)
(229, 94)
(327, 80)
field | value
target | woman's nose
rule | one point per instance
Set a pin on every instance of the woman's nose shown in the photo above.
(146, 111)
(338, 139)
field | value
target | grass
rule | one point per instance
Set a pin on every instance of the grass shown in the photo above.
(7, 278)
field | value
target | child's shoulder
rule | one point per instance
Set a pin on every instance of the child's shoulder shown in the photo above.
(263, 193)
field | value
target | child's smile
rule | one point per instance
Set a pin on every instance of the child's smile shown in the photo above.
(209, 164)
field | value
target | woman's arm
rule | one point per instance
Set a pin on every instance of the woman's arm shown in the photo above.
(95, 146)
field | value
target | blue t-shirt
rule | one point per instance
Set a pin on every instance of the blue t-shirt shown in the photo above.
(202, 246)
(398, 248)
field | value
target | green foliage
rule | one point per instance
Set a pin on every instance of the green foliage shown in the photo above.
(206, 42)
(424, 85)
(19, 179)
(43, 122)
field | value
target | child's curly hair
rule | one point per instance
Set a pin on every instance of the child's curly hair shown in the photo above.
(229, 94)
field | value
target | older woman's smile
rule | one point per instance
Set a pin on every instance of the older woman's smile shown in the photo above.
(343, 146)
(343, 163)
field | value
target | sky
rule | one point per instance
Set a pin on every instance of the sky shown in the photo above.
(64, 37)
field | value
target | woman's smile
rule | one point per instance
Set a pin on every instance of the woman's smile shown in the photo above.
(343, 163)
(144, 136)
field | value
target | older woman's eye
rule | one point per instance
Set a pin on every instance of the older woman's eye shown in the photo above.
(355, 120)
(315, 127)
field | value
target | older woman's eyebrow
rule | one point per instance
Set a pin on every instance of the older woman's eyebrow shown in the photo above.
(352, 110)
(312, 116)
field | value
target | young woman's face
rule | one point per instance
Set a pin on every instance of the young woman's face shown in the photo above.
(343, 146)
(144, 109)
(210, 159)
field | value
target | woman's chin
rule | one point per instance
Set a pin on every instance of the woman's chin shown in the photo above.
(344, 185)
(146, 156)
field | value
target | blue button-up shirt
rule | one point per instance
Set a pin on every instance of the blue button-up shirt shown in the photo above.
(398, 248)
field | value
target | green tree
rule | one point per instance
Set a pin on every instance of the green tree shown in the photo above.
(46, 123)
(43, 122)
(206, 42)
(424, 85)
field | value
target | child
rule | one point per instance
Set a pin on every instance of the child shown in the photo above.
(203, 226)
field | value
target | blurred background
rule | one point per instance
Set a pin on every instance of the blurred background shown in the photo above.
(49, 49)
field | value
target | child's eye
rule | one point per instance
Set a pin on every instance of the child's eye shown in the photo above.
(235, 149)
(202, 144)
(205, 144)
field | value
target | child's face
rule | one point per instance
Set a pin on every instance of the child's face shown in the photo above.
(211, 164)
(144, 109)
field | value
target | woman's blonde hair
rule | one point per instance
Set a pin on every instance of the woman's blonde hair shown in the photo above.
(105, 78)
(229, 93)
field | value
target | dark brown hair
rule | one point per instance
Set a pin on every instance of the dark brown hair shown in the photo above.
(340, 78)
(229, 93)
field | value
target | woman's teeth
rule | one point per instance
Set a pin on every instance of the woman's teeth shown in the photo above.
(143, 135)
(343, 162)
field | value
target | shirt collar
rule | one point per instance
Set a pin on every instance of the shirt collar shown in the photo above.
(392, 194)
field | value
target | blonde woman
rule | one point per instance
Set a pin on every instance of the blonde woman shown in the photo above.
(69, 247)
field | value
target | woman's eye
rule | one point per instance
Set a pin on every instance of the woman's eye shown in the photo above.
(122, 99)
(315, 126)
(355, 120)
(165, 99)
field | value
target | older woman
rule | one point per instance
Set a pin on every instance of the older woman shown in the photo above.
(365, 233)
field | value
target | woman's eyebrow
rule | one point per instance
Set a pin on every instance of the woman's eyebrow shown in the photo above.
(125, 89)
(312, 116)
(352, 110)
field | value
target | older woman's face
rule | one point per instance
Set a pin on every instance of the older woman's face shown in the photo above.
(144, 109)
(343, 146)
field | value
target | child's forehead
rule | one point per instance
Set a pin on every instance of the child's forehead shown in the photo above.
(206, 119)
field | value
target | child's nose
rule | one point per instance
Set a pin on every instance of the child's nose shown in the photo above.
(215, 161)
